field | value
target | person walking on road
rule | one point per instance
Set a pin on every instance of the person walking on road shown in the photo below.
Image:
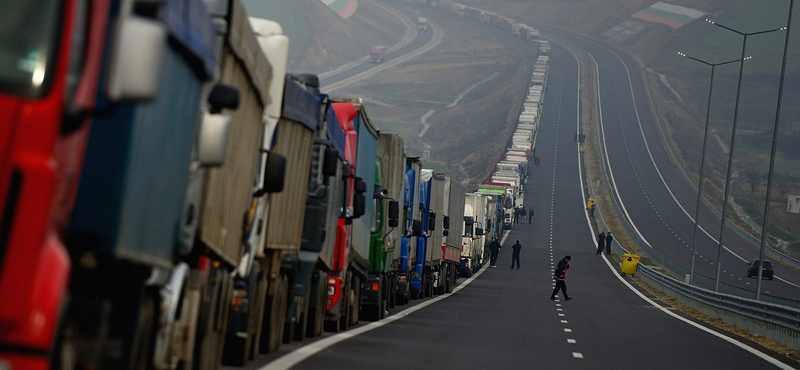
(523, 213)
(609, 239)
(601, 241)
(494, 247)
(561, 278)
(515, 254)
(516, 215)
(530, 215)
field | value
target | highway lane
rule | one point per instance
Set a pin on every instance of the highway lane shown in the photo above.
(662, 214)
(503, 318)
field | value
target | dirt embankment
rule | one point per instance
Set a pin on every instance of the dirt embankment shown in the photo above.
(467, 91)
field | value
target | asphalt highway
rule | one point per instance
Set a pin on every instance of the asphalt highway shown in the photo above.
(655, 195)
(503, 318)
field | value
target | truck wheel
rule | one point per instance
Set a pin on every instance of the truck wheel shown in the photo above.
(277, 316)
(316, 312)
(391, 291)
(302, 321)
(344, 317)
(143, 343)
(208, 336)
(355, 303)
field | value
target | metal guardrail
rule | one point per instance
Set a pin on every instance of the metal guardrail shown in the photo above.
(773, 321)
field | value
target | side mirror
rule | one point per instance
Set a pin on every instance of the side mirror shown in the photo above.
(359, 205)
(274, 173)
(431, 221)
(446, 222)
(331, 163)
(416, 228)
(223, 96)
(394, 213)
(213, 139)
(445, 232)
(360, 186)
(136, 59)
(478, 231)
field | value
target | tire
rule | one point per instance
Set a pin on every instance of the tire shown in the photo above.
(316, 314)
(355, 303)
(208, 339)
(302, 321)
(143, 343)
(277, 316)
(344, 317)
(391, 291)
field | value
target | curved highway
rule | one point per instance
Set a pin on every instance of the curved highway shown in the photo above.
(653, 192)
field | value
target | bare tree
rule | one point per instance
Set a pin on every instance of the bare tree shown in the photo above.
(784, 185)
(753, 179)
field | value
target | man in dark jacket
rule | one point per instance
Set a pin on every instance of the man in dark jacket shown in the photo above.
(601, 241)
(530, 214)
(523, 213)
(515, 255)
(561, 277)
(609, 239)
(494, 247)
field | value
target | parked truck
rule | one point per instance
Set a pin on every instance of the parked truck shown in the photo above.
(48, 95)
(452, 222)
(384, 268)
(138, 274)
(351, 255)
(473, 236)
(412, 225)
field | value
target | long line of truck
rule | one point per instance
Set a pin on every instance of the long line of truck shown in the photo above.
(172, 198)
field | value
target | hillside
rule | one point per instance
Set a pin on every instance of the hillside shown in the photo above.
(320, 40)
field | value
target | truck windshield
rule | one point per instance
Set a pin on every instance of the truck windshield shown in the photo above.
(28, 45)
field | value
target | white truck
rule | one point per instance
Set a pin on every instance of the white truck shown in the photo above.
(473, 234)
(422, 23)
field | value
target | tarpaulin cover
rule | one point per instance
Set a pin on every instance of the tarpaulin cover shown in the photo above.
(191, 26)
(300, 105)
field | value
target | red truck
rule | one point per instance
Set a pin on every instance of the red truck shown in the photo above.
(48, 87)
(377, 54)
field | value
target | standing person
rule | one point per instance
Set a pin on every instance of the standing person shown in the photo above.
(495, 248)
(601, 241)
(523, 213)
(538, 159)
(530, 215)
(609, 239)
(516, 248)
(561, 278)
(516, 214)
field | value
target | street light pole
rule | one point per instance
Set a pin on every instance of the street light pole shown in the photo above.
(733, 140)
(702, 154)
(772, 155)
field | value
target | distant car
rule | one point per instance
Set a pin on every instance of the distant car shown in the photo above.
(767, 272)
